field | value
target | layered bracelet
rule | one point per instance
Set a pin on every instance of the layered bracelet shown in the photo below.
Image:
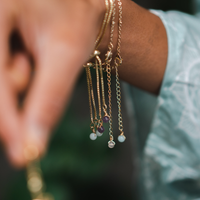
(110, 63)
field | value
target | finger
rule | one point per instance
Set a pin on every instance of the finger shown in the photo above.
(52, 86)
(19, 73)
(9, 117)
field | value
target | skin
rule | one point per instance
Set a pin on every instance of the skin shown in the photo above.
(60, 36)
(144, 48)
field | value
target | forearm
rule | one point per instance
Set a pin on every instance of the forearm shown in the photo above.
(144, 48)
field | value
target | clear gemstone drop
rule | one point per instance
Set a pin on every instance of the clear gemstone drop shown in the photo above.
(121, 138)
(99, 134)
(93, 136)
(111, 144)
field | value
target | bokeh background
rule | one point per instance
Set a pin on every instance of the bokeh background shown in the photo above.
(76, 168)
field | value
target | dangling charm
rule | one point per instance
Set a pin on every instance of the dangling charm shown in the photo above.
(121, 138)
(111, 143)
(101, 129)
(108, 60)
(117, 63)
(98, 133)
(93, 136)
(106, 119)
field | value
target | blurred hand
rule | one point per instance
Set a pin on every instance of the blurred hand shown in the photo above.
(14, 78)
(60, 36)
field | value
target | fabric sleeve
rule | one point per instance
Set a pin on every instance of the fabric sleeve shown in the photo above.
(172, 151)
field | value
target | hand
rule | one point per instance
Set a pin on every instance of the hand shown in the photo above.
(60, 36)
(14, 77)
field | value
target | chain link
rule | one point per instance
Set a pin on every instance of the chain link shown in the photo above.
(118, 62)
(118, 94)
(89, 94)
(91, 99)
(103, 25)
(98, 87)
(108, 61)
(107, 18)
(35, 182)
(109, 100)
(102, 86)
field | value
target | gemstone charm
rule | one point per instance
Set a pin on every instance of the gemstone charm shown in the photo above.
(106, 119)
(93, 136)
(121, 138)
(101, 129)
(98, 133)
(111, 144)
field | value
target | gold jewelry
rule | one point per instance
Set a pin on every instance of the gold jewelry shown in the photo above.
(97, 122)
(111, 143)
(118, 62)
(35, 181)
(108, 14)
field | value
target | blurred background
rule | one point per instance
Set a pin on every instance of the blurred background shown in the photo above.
(75, 167)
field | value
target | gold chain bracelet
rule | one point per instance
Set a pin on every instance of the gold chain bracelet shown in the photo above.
(97, 120)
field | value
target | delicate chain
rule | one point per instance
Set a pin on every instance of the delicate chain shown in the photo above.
(92, 95)
(118, 62)
(112, 27)
(119, 28)
(105, 24)
(102, 86)
(92, 126)
(110, 100)
(35, 181)
(98, 88)
(89, 94)
(109, 69)
(118, 93)
(91, 99)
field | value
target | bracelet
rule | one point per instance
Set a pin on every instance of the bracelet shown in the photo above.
(96, 118)
(107, 17)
